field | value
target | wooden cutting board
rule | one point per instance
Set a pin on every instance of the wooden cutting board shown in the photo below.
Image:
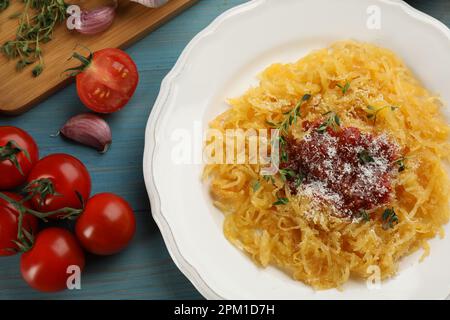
(19, 91)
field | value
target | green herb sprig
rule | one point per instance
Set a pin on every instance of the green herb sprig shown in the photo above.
(365, 157)
(290, 116)
(269, 178)
(36, 25)
(332, 121)
(284, 156)
(390, 218)
(372, 112)
(289, 173)
(344, 88)
(281, 201)
(365, 216)
(256, 185)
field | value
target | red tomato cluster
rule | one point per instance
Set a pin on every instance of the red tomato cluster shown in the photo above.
(55, 187)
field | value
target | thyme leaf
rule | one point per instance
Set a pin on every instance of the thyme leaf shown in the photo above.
(390, 218)
(269, 178)
(293, 115)
(365, 216)
(281, 201)
(372, 112)
(401, 164)
(332, 121)
(344, 88)
(256, 185)
(365, 157)
(287, 173)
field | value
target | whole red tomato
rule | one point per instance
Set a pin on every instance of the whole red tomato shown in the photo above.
(45, 266)
(18, 154)
(107, 224)
(108, 80)
(9, 223)
(63, 179)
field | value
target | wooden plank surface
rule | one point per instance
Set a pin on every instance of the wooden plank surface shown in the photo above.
(144, 270)
(21, 90)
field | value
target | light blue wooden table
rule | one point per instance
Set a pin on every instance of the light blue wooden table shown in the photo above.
(145, 270)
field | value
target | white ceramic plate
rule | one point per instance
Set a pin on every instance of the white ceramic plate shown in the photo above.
(222, 61)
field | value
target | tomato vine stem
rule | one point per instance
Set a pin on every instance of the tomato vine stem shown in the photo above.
(68, 213)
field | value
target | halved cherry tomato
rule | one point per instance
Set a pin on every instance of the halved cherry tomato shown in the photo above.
(108, 80)
(63, 179)
(18, 154)
(107, 224)
(46, 266)
(9, 220)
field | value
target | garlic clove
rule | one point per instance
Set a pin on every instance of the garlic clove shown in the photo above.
(96, 21)
(88, 129)
(151, 3)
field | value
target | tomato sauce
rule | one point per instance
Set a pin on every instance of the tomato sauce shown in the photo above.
(345, 168)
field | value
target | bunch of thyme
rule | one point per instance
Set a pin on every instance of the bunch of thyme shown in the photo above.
(36, 24)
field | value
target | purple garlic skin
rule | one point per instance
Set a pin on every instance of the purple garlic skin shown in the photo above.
(96, 21)
(90, 130)
(151, 3)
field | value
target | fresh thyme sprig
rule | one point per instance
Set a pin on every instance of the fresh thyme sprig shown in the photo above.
(281, 201)
(269, 178)
(344, 88)
(290, 116)
(290, 119)
(36, 24)
(287, 173)
(372, 111)
(333, 121)
(294, 114)
(390, 218)
(284, 156)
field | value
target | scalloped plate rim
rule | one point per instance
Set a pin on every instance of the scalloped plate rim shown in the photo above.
(165, 92)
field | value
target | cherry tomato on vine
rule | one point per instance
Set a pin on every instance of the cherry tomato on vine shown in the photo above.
(59, 181)
(107, 224)
(18, 154)
(9, 223)
(106, 80)
(46, 266)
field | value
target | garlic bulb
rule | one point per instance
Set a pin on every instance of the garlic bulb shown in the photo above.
(151, 3)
